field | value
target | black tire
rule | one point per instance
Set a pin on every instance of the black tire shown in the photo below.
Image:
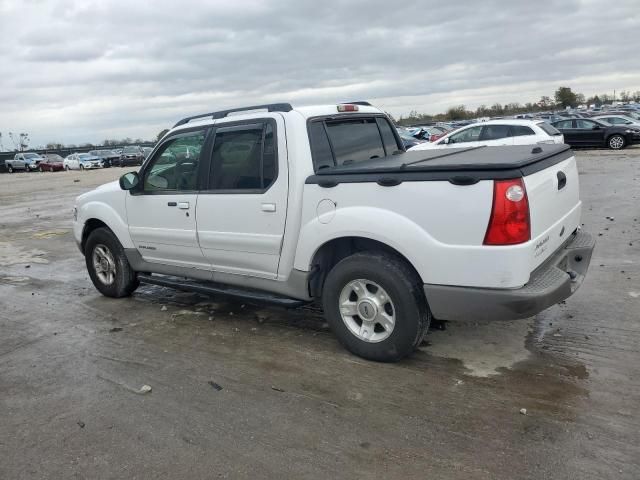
(404, 289)
(66, 168)
(41, 169)
(126, 280)
(81, 167)
(10, 169)
(616, 142)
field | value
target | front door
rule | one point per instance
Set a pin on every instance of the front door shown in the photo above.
(241, 215)
(162, 213)
(591, 132)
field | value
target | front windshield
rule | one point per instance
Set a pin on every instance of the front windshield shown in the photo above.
(130, 150)
(85, 156)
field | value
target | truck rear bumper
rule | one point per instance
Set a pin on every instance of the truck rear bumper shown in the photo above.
(553, 281)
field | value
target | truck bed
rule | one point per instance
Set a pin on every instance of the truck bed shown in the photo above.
(462, 166)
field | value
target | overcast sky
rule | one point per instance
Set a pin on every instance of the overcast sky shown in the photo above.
(82, 71)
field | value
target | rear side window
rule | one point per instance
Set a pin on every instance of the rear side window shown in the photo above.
(521, 130)
(551, 130)
(349, 141)
(495, 132)
(243, 158)
(388, 138)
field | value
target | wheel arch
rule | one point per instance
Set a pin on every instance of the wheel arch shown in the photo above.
(334, 250)
(89, 226)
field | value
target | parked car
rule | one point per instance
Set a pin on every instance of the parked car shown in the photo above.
(587, 132)
(109, 157)
(622, 120)
(27, 162)
(132, 155)
(498, 132)
(82, 161)
(409, 140)
(51, 162)
(146, 151)
(323, 204)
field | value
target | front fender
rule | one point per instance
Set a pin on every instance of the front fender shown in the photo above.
(113, 216)
(385, 226)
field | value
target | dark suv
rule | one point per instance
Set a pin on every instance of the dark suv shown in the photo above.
(132, 155)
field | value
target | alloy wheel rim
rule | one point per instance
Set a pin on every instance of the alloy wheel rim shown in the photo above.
(616, 142)
(367, 310)
(104, 264)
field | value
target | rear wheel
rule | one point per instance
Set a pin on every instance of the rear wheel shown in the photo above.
(616, 142)
(108, 266)
(375, 305)
(10, 169)
(81, 167)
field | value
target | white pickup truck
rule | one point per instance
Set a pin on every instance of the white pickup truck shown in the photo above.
(292, 205)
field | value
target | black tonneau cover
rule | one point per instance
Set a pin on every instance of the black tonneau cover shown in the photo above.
(461, 166)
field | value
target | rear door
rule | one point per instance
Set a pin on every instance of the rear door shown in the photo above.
(572, 136)
(591, 132)
(523, 135)
(241, 213)
(162, 213)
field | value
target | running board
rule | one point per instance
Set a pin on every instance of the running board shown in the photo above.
(211, 288)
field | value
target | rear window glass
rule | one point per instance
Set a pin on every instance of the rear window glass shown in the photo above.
(551, 130)
(349, 141)
(521, 130)
(355, 140)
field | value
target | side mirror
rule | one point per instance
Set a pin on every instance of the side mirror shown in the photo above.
(596, 127)
(129, 181)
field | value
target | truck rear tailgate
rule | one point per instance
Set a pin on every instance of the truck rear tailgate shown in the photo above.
(554, 207)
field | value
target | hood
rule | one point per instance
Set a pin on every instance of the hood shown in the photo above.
(107, 188)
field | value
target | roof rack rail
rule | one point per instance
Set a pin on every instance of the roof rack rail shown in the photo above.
(270, 107)
(359, 102)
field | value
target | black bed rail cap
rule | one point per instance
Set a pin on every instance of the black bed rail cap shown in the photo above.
(269, 107)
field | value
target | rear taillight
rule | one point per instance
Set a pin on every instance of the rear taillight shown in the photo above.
(509, 223)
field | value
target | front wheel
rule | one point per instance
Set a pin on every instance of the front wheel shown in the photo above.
(81, 167)
(375, 305)
(108, 266)
(41, 169)
(616, 142)
(66, 167)
(10, 169)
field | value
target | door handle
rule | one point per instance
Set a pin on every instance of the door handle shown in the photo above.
(183, 205)
(268, 207)
(172, 204)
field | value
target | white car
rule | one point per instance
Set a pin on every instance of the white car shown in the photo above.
(292, 205)
(498, 132)
(82, 161)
